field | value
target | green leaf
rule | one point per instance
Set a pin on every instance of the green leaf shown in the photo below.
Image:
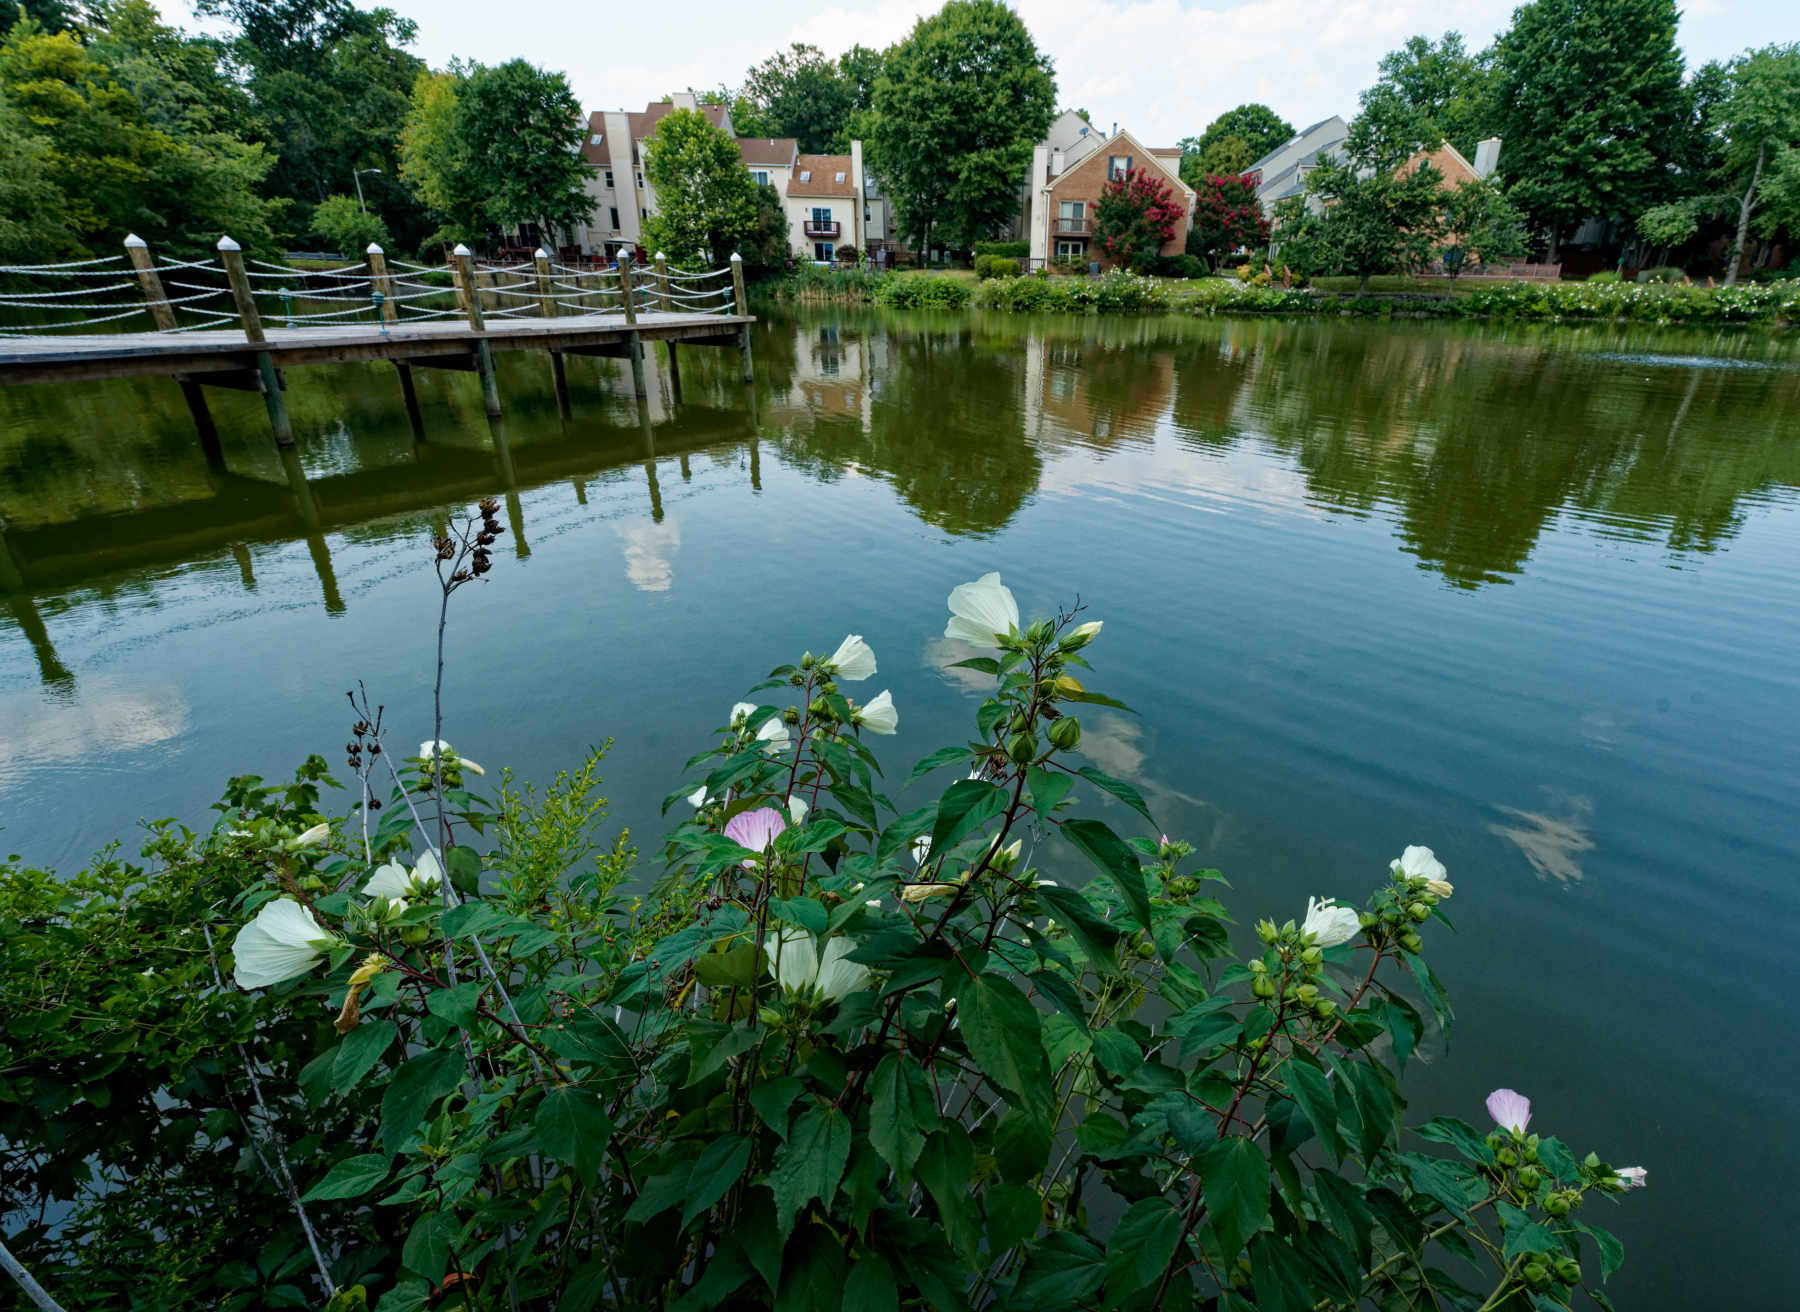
(1003, 1032)
(457, 1005)
(732, 1043)
(1119, 789)
(1429, 1177)
(315, 1076)
(464, 866)
(1093, 698)
(1612, 1252)
(903, 1109)
(1279, 1276)
(725, 1273)
(1460, 1135)
(1060, 1270)
(1313, 1092)
(812, 1273)
(737, 968)
(1343, 1203)
(1117, 1052)
(1114, 856)
(717, 1169)
(427, 1249)
(1093, 935)
(1235, 1183)
(945, 1165)
(1100, 1135)
(808, 913)
(418, 1083)
(573, 1127)
(985, 664)
(966, 804)
(1047, 789)
(660, 1193)
(870, 1286)
(942, 756)
(810, 1163)
(772, 1098)
(351, 1178)
(1141, 1245)
(1014, 1212)
(814, 837)
(1021, 1146)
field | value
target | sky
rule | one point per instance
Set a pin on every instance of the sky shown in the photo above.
(1161, 68)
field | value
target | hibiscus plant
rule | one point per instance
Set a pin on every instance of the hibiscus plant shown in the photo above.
(842, 1055)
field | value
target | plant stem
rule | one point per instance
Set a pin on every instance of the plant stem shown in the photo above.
(10, 1265)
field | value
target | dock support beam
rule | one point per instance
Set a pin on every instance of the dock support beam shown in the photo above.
(628, 294)
(560, 377)
(232, 256)
(740, 306)
(410, 396)
(484, 354)
(195, 396)
(674, 370)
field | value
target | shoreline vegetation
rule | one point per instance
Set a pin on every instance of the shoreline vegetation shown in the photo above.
(1770, 304)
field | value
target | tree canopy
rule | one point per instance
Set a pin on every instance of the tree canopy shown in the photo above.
(1442, 84)
(1136, 216)
(959, 106)
(706, 200)
(1588, 95)
(802, 93)
(1232, 143)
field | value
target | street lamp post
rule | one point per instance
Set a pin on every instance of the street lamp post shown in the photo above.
(357, 174)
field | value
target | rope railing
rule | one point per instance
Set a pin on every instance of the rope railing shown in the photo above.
(234, 290)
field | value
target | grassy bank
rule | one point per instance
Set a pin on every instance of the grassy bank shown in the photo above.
(1113, 293)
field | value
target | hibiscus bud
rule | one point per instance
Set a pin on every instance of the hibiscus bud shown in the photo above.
(1418, 911)
(791, 715)
(1411, 942)
(1023, 747)
(1537, 1275)
(1266, 931)
(1262, 986)
(828, 687)
(1307, 993)
(1325, 1008)
(1529, 1177)
(1312, 956)
(1040, 631)
(1066, 733)
(1146, 949)
(413, 935)
(1507, 1157)
(806, 661)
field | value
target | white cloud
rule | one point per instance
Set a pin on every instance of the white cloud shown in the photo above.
(107, 715)
(648, 548)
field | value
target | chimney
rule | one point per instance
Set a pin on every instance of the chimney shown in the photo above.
(1115, 130)
(685, 100)
(1056, 163)
(1487, 157)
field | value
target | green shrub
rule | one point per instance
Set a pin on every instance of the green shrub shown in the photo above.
(347, 228)
(922, 292)
(984, 265)
(1666, 273)
(1004, 268)
(1605, 275)
(1009, 250)
(1117, 291)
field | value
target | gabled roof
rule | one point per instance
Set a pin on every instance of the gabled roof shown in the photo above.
(822, 175)
(1166, 159)
(779, 152)
(644, 124)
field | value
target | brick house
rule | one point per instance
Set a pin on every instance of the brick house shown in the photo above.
(1062, 219)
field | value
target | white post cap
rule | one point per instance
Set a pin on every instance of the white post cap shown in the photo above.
(374, 249)
(226, 244)
(542, 254)
(659, 255)
(736, 258)
(460, 249)
(132, 239)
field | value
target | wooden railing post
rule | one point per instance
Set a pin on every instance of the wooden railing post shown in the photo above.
(382, 282)
(484, 354)
(628, 290)
(546, 293)
(741, 307)
(231, 255)
(662, 284)
(160, 309)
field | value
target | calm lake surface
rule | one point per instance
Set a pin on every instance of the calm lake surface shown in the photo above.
(1526, 595)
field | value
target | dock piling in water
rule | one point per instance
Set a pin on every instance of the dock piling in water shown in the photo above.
(484, 354)
(231, 255)
(738, 303)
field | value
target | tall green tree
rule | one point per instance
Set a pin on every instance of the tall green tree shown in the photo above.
(119, 173)
(1442, 83)
(706, 202)
(35, 227)
(1588, 96)
(1481, 224)
(331, 87)
(524, 128)
(960, 104)
(801, 94)
(1233, 142)
(1756, 123)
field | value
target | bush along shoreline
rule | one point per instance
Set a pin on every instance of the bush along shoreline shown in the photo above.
(1775, 304)
(841, 1053)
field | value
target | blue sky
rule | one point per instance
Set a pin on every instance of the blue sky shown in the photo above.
(1161, 68)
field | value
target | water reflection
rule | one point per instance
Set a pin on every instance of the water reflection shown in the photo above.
(1472, 440)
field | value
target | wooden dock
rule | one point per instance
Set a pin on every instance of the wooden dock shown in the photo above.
(225, 358)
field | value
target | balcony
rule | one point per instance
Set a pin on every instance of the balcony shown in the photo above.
(822, 231)
(1072, 227)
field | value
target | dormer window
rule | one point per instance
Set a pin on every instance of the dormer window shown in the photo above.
(840, 177)
(596, 140)
(806, 175)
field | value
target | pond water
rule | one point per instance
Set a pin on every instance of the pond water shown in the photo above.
(1526, 595)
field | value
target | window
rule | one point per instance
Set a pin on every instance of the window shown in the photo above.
(760, 177)
(609, 183)
(640, 178)
(1117, 166)
(806, 175)
(1071, 216)
(596, 140)
(840, 177)
(1067, 249)
(615, 218)
(644, 213)
(822, 252)
(821, 214)
(866, 216)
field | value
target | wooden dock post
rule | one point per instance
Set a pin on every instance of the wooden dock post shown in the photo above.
(410, 397)
(628, 291)
(484, 354)
(668, 307)
(164, 315)
(547, 308)
(381, 281)
(740, 306)
(231, 255)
